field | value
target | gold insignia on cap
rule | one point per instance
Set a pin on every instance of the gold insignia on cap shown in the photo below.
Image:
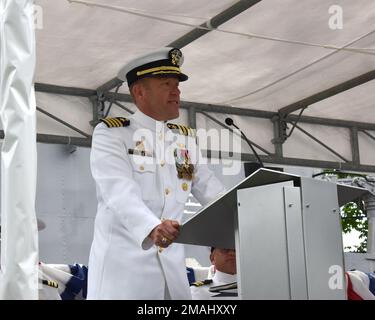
(176, 57)
(185, 186)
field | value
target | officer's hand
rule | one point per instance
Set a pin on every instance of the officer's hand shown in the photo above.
(165, 233)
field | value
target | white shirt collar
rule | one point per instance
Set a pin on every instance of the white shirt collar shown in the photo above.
(223, 278)
(147, 122)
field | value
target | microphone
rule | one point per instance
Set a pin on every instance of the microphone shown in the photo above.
(229, 122)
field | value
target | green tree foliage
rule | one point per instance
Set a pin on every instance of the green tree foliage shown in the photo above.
(353, 215)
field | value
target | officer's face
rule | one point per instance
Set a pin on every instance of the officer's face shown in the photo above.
(161, 97)
(224, 260)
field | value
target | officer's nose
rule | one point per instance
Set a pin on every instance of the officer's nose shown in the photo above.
(176, 90)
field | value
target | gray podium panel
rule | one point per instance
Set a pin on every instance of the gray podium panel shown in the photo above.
(296, 249)
(262, 256)
(323, 238)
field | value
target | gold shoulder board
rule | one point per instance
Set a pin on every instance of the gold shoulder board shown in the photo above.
(201, 283)
(184, 130)
(116, 122)
(50, 283)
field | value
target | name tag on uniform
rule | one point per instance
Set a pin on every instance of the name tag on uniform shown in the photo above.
(138, 152)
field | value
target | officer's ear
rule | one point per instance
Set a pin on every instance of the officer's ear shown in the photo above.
(137, 90)
(212, 257)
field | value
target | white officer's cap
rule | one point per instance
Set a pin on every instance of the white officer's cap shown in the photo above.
(163, 62)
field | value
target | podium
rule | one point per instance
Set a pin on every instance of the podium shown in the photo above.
(286, 231)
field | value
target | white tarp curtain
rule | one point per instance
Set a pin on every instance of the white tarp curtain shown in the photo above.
(19, 235)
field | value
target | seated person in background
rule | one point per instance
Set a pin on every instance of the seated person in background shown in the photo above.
(224, 264)
(62, 281)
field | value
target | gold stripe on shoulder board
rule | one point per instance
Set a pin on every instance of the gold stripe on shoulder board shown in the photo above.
(110, 121)
(180, 129)
(109, 125)
(184, 130)
(116, 122)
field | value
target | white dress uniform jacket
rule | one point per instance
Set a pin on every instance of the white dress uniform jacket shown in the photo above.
(135, 191)
(219, 278)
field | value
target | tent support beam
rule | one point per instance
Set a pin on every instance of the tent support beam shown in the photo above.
(62, 122)
(192, 117)
(350, 166)
(113, 83)
(369, 135)
(194, 108)
(354, 143)
(273, 159)
(213, 23)
(97, 110)
(70, 91)
(277, 140)
(121, 97)
(328, 93)
(321, 143)
(285, 112)
(123, 107)
(40, 87)
(231, 130)
(257, 113)
(55, 139)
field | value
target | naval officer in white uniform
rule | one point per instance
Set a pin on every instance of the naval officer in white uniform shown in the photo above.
(145, 167)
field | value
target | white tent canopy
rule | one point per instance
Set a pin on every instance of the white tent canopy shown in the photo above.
(253, 59)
